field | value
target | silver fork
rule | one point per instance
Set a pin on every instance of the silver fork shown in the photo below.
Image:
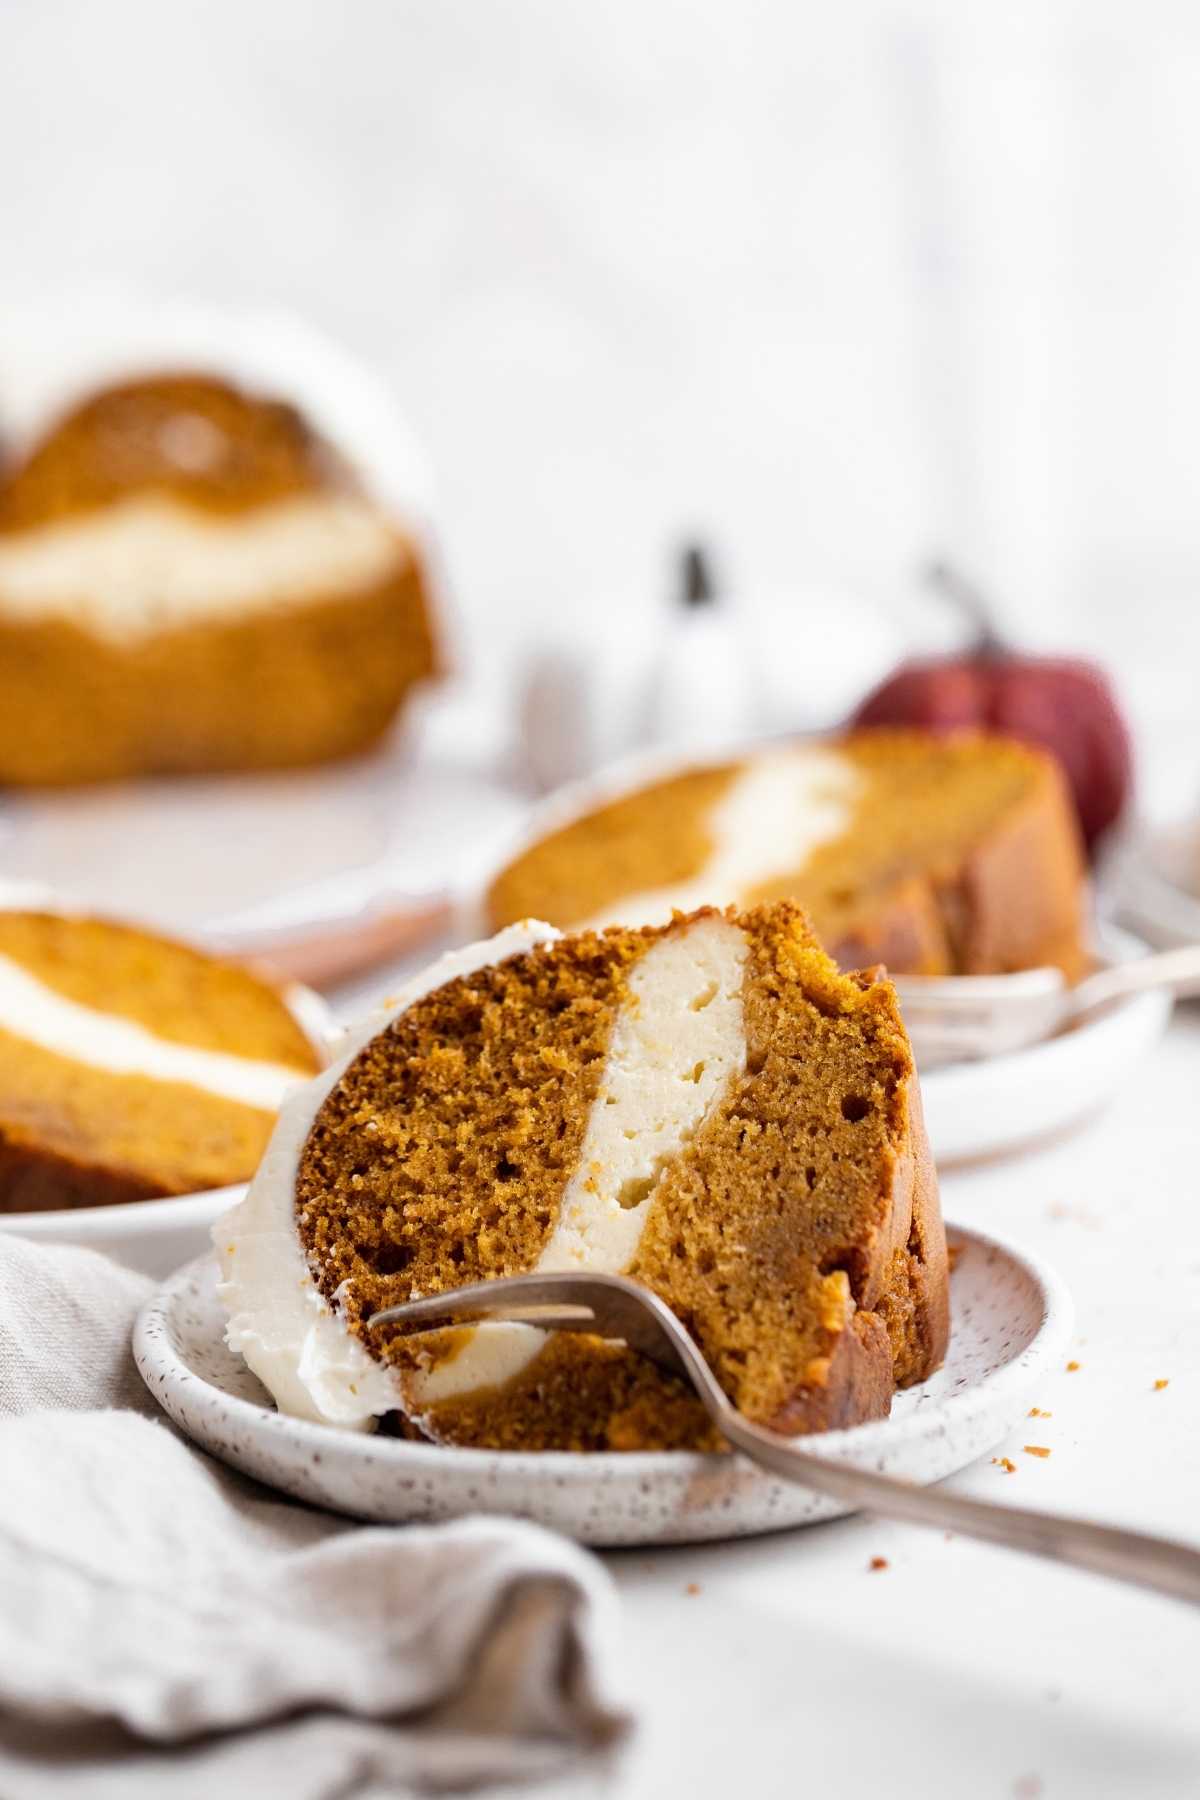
(610, 1306)
(957, 1018)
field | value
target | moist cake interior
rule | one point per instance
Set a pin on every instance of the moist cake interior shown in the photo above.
(711, 1108)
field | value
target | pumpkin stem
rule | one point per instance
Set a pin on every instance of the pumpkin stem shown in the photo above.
(967, 600)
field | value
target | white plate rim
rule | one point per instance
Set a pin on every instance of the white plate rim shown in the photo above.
(178, 1211)
(1064, 1067)
(162, 1369)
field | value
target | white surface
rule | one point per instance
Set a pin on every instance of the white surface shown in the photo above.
(1010, 1321)
(278, 1319)
(150, 564)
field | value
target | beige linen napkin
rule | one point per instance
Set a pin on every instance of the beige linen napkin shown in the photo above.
(167, 1626)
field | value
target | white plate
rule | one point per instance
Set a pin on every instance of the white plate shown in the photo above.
(1011, 1320)
(1008, 1103)
(237, 859)
(153, 1236)
(1153, 877)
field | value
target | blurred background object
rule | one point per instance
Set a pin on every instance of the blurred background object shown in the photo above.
(1063, 704)
(829, 287)
(249, 858)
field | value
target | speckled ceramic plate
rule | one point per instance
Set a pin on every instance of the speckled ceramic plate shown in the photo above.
(1011, 1321)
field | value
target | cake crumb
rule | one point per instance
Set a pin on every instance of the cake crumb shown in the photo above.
(1002, 1462)
(1161, 1383)
(693, 1587)
(878, 1562)
(1035, 1450)
(1035, 1412)
(1071, 1367)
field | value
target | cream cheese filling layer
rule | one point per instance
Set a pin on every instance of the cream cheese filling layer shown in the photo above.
(149, 564)
(38, 1015)
(779, 808)
(677, 1041)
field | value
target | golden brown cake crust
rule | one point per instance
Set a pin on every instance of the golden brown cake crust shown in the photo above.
(962, 855)
(1011, 899)
(72, 1135)
(271, 688)
(119, 442)
(797, 1234)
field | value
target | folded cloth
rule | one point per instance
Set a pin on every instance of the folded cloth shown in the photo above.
(168, 1626)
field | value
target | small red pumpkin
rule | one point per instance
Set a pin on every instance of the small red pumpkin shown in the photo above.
(1063, 704)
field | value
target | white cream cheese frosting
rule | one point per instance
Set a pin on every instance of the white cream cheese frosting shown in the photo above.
(39, 1015)
(677, 1041)
(781, 805)
(279, 1321)
(149, 563)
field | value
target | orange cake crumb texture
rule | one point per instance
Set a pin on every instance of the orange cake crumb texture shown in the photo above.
(797, 1235)
(961, 855)
(72, 1135)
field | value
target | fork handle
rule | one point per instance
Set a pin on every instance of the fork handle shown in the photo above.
(1176, 970)
(1161, 1564)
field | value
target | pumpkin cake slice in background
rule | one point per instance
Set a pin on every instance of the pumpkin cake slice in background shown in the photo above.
(933, 855)
(707, 1106)
(132, 1066)
(191, 580)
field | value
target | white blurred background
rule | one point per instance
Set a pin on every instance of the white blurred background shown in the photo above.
(834, 286)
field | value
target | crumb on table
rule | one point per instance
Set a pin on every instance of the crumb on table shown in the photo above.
(1036, 1412)
(1035, 1449)
(1162, 1382)
(693, 1587)
(1002, 1462)
(878, 1562)
(1071, 1367)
